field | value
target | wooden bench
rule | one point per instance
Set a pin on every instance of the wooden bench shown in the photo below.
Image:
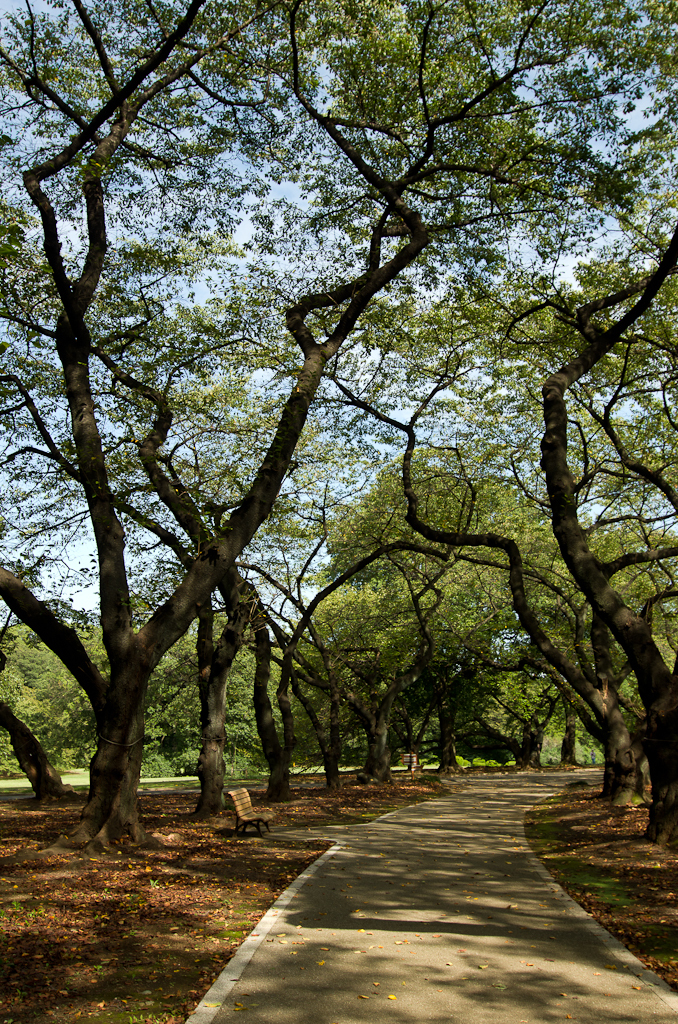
(245, 814)
(410, 761)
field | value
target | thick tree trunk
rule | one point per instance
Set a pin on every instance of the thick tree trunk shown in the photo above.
(446, 718)
(620, 762)
(33, 760)
(568, 748)
(112, 810)
(376, 724)
(211, 689)
(378, 762)
(277, 755)
(279, 783)
(533, 741)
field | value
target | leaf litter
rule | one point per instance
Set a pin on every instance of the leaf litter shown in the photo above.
(599, 855)
(137, 936)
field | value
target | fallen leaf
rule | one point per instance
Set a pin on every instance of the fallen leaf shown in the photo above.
(363, 997)
(483, 967)
(320, 962)
(611, 967)
(392, 997)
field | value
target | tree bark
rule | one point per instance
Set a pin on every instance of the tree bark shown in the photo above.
(446, 719)
(533, 741)
(568, 748)
(112, 810)
(378, 761)
(214, 666)
(33, 760)
(375, 722)
(277, 754)
(330, 744)
(657, 683)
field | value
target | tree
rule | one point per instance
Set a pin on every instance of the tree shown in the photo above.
(33, 761)
(495, 121)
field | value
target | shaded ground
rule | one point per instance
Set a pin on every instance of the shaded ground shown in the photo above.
(137, 936)
(439, 913)
(598, 854)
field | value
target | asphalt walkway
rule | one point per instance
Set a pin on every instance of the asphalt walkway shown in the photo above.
(436, 912)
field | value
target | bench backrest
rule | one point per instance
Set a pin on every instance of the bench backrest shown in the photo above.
(241, 799)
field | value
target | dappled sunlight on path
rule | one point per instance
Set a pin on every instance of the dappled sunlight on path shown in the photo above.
(439, 912)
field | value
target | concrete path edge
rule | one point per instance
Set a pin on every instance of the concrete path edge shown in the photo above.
(211, 1003)
(665, 993)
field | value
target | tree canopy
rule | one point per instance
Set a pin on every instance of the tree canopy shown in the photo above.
(247, 244)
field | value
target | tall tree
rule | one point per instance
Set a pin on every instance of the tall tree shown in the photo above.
(495, 122)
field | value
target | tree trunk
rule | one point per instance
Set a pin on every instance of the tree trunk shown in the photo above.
(625, 764)
(657, 683)
(33, 760)
(446, 720)
(568, 748)
(279, 783)
(533, 741)
(375, 724)
(277, 755)
(112, 810)
(330, 746)
(332, 773)
(214, 666)
(378, 762)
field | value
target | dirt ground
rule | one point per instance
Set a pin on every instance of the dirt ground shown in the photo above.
(137, 936)
(598, 854)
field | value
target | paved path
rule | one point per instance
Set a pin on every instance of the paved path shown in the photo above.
(436, 912)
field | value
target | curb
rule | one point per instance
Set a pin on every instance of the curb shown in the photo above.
(211, 1002)
(616, 948)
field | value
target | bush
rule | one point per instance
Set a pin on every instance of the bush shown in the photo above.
(156, 766)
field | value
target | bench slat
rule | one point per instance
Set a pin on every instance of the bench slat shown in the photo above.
(245, 814)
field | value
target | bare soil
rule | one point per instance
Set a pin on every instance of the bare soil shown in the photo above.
(138, 935)
(598, 853)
